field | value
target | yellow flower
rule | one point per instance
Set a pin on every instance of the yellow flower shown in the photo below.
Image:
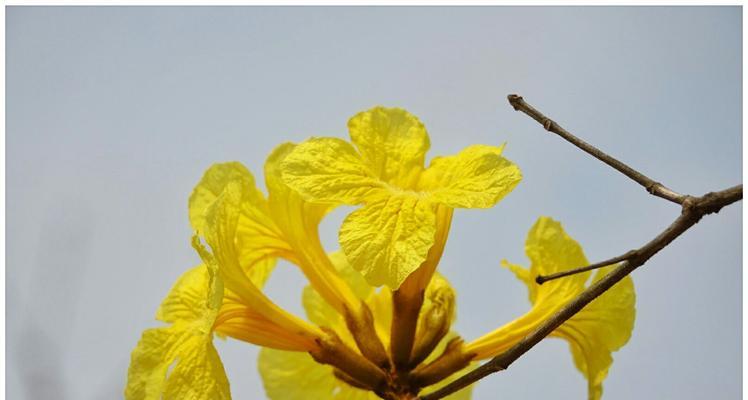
(391, 235)
(285, 225)
(297, 376)
(358, 343)
(602, 327)
(199, 306)
(236, 221)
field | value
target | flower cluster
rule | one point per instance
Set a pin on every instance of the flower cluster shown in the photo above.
(357, 342)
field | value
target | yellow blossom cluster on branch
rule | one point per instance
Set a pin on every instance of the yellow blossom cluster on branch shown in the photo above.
(378, 314)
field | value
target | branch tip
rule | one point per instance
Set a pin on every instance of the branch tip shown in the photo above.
(514, 101)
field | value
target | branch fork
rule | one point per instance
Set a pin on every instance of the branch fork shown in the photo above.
(693, 208)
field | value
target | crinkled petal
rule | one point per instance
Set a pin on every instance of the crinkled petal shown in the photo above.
(392, 143)
(477, 177)
(212, 184)
(388, 239)
(287, 207)
(188, 298)
(150, 360)
(198, 373)
(329, 170)
(191, 307)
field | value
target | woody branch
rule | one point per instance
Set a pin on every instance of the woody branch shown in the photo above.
(693, 208)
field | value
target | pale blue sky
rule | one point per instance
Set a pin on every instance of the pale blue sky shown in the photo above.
(113, 114)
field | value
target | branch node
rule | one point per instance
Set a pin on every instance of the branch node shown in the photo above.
(652, 187)
(548, 124)
(689, 204)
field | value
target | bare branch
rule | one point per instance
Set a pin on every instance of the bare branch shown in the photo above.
(651, 185)
(693, 209)
(540, 279)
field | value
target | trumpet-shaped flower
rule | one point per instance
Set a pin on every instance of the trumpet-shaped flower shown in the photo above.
(199, 306)
(283, 225)
(601, 328)
(233, 216)
(391, 235)
(357, 342)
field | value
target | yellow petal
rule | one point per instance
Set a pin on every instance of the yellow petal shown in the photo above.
(551, 250)
(191, 306)
(188, 298)
(388, 239)
(148, 365)
(287, 208)
(198, 373)
(392, 143)
(329, 170)
(477, 177)
(212, 184)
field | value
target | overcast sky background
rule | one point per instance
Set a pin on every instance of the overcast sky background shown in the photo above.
(114, 113)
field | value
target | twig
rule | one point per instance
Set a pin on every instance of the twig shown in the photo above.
(651, 185)
(693, 209)
(540, 279)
